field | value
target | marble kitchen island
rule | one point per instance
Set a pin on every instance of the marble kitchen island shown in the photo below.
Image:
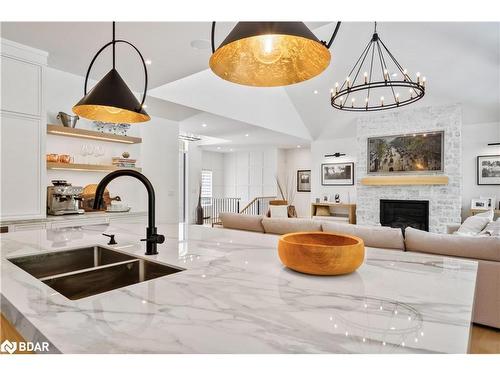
(236, 297)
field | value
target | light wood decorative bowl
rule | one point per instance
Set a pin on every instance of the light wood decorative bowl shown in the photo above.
(320, 253)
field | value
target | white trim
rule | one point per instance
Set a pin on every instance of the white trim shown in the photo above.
(23, 52)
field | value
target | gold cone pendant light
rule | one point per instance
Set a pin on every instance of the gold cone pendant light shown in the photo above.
(111, 100)
(270, 54)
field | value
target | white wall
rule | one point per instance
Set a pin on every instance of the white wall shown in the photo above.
(475, 139)
(250, 174)
(289, 162)
(214, 161)
(157, 155)
(323, 147)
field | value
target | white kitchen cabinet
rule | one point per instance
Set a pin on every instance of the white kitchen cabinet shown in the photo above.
(22, 132)
(21, 193)
(21, 86)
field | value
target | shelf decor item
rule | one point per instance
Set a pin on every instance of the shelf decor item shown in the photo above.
(376, 82)
(270, 54)
(111, 100)
(406, 153)
(320, 253)
(488, 170)
(337, 174)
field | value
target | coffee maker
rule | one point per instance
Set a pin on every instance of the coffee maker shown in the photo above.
(63, 198)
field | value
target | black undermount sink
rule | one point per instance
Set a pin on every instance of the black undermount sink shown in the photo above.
(89, 271)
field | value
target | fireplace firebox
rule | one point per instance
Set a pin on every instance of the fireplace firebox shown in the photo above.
(404, 213)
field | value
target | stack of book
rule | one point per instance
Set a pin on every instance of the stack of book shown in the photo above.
(124, 162)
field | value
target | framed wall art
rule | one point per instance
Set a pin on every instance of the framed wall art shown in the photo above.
(335, 174)
(304, 180)
(488, 170)
(407, 153)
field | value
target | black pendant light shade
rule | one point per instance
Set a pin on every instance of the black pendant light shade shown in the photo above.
(111, 100)
(269, 54)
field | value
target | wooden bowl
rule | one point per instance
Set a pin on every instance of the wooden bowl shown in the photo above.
(320, 253)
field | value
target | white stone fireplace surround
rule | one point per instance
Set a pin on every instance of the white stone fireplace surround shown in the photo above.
(444, 200)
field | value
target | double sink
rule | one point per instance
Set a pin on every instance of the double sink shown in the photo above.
(89, 271)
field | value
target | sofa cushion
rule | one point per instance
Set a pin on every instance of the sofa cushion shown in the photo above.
(241, 221)
(290, 225)
(487, 248)
(373, 236)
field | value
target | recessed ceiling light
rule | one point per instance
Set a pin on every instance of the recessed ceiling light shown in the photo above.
(230, 149)
(298, 146)
(148, 62)
(315, 91)
(204, 125)
(218, 148)
(200, 44)
(246, 135)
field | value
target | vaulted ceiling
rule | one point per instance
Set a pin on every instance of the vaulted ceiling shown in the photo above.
(460, 60)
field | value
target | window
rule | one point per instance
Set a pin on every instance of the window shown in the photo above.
(206, 186)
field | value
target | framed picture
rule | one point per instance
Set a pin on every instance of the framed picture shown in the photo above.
(479, 203)
(334, 174)
(408, 153)
(304, 180)
(492, 202)
(488, 170)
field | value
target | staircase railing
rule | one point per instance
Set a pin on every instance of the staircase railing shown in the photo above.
(257, 206)
(212, 207)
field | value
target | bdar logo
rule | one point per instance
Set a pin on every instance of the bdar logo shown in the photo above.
(8, 347)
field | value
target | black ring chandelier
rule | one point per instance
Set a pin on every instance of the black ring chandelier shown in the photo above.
(392, 81)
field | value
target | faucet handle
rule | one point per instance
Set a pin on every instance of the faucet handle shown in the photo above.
(156, 238)
(111, 238)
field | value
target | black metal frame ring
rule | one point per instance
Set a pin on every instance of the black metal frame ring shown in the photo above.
(327, 45)
(140, 55)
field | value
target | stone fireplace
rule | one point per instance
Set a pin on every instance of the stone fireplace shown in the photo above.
(444, 201)
(397, 213)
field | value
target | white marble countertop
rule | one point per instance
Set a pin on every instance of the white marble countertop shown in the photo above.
(84, 216)
(236, 297)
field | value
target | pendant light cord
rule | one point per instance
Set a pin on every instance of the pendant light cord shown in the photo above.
(337, 27)
(114, 44)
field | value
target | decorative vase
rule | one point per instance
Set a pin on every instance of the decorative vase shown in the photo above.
(199, 213)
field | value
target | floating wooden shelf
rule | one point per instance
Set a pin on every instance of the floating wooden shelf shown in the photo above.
(86, 167)
(90, 134)
(404, 180)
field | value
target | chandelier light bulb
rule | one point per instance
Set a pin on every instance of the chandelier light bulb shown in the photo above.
(348, 81)
(386, 75)
(336, 87)
(365, 74)
(382, 100)
(352, 102)
(397, 97)
(405, 73)
(423, 81)
(418, 77)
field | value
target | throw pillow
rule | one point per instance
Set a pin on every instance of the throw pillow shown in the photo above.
(489, 214)
(279, 211)
(322, 211)
(473, 225)
(492, 229)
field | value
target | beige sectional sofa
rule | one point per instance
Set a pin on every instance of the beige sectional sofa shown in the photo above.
(484, 250)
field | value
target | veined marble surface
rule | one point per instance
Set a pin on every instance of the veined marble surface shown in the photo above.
(236, 297)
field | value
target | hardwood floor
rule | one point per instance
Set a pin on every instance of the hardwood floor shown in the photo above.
(9, 332)
(485, 340)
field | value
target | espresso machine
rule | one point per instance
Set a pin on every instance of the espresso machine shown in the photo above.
(63, 198)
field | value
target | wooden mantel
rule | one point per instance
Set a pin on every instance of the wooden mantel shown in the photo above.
(405, 180)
